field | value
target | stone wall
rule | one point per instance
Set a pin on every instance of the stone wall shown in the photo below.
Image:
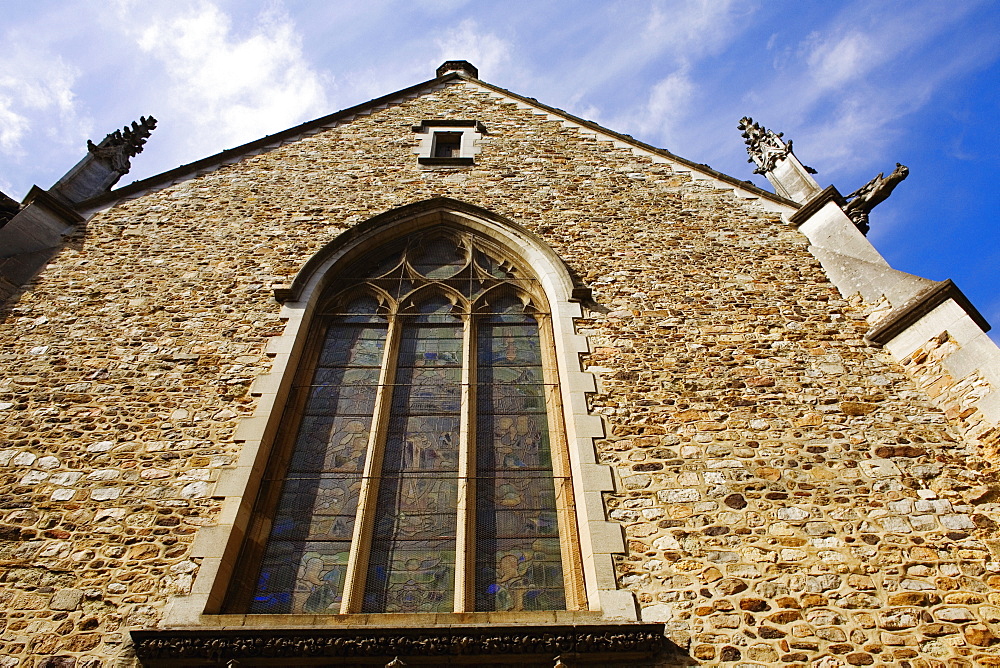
(788, 493)
(957, 395)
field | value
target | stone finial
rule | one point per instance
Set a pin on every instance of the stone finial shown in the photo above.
(764, 147)
(775, 160)
(458, 66)
(867, 197)
(123, 144)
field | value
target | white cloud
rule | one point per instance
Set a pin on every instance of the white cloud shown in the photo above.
(225, 88)
(692, 28)
(844, 88)
(36, 97)
(12, 127)
(489, 53)
(658, 35)
(670, 39)
(668, 104)
(841, 59)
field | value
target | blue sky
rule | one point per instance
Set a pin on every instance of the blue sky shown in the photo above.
(858, 86)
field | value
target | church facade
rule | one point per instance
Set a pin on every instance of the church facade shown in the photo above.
(456, 378)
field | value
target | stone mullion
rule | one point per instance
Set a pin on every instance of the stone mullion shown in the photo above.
(465, 540)
(364, 525)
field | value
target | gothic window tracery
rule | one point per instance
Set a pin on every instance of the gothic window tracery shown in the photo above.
(424, 466)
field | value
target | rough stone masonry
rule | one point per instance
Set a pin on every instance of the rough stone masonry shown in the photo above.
(789, 494)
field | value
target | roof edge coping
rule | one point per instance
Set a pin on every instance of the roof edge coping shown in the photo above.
(908, 314)
(192, 167)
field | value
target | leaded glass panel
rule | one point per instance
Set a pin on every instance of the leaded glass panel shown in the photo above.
(305, 558)
(438, 258)
(391, 358)
(413, 545)
(518, 556)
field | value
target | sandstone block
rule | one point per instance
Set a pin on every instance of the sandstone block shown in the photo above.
(66, 599)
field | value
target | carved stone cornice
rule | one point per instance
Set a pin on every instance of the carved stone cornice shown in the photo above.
(828, 194)
(909, 313)
(451, 644)
(44, 198)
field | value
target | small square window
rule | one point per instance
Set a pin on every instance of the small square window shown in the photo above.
(447, 144)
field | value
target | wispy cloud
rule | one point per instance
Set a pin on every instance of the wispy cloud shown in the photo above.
(668, 104)
(840, 59)
(479, 46)
(658, 35)
(12, 127)
(225, 87)
(36, 96)
(847, 84)
(671, 42)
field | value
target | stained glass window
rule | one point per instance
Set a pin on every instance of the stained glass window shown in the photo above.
(518, 563)
(412, 562)
(425, 472)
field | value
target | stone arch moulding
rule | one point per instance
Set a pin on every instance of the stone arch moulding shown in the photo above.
(218, 547)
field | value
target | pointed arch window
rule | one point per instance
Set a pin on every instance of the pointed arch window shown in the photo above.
(423, 465)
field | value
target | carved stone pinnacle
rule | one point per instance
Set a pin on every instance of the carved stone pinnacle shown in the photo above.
(764, 147)
(123, 144)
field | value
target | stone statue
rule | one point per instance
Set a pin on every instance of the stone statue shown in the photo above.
(867, 197)
(123, 144)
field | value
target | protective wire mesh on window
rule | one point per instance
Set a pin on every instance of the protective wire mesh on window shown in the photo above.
(420, 474)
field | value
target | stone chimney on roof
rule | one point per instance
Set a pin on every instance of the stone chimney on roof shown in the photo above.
(458, 66)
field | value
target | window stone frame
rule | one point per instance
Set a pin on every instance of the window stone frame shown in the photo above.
(217, 547)
(472, 133)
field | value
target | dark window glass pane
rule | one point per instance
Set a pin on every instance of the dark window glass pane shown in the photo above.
(492, 267)
(305, 559)
(331, 444)
(518, 563)
(411, 576)
(357, 345)
(300, 577)
(421, 443)
(317, 508)
(412, 562)
(512, 442)
(447, 144)
(342, 391)
(515, 574)
(438, 258)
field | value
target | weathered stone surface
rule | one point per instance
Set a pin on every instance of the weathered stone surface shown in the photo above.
(66, 599)
(980, 636)
(784, 487)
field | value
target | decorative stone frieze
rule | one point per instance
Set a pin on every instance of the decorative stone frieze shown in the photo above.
(586, 644)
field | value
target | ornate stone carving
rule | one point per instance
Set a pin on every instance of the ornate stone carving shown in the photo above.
(123, 144)
(630, 640)
(764, 147)
(867, 197)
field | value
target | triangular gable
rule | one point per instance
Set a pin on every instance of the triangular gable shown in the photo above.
(697, 171)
